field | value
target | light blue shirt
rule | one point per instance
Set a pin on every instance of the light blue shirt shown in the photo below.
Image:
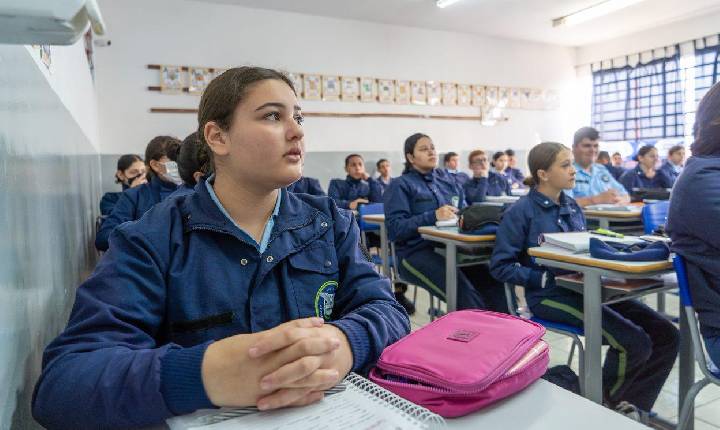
(597, 181)
(268, 227)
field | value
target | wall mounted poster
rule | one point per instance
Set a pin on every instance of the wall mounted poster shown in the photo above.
(297, 80)
(449, 94)
(479, 95)
(491, 96)
(434, 93)
(464, 94)
(368, 89)
(386, 90)
(350, 88)
(330, 88)
(402, 92)
(171, 79)
(200, 77)
(419, 96)
(312, 87)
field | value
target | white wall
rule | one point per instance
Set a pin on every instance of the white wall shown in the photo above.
(670, 34)
(192, 33)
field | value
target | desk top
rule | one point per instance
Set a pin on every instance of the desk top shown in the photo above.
(544, 406)
(453, 234)
(375, 218)
(612, 214)
(566, 256)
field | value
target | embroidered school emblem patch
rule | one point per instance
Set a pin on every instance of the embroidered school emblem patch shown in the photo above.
(325, 299)
(606, 178)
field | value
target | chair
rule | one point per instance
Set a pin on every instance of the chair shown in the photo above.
(572, 332)
(654, 215)
(369, 209)
(697, 343)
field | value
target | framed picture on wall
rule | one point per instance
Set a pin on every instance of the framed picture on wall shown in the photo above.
(171, 80)
(402, 92)
(218, 72)
(434, 93)
(491, 96)
(350, 88)
(297, 80)
(535, 100)
(418, 93)
(464, 95)
(330, 88)
(503, 96)
(479, 95)
(386, 91)
(449, 94)
(368, 89)
(200, 77)
(312, 87)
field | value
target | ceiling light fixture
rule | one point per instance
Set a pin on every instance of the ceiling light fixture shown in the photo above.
(445, 3)
(600, 9)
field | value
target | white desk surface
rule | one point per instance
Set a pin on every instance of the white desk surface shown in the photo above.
(564, 255)
(544, 406)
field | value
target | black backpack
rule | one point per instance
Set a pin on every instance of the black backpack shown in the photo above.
(480, 219)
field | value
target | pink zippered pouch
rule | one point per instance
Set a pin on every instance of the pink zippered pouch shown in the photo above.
(464, 361)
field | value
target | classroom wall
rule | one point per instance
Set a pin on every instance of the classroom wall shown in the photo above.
(49, 188)
(225, 35)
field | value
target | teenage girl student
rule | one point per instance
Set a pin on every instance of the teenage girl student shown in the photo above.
(484, 181)
(357, 188)
(422, 195)
(238, 294)
(130, 174)
(693, 220)
(191, 160)
(163, 179)
(645, 175)
(643, 344)
(500, 164)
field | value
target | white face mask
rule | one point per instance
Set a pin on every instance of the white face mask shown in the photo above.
(172, 173)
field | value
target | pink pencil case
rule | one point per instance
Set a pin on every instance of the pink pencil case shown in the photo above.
(464, 361)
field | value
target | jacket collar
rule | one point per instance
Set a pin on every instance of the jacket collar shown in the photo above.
(544, 201)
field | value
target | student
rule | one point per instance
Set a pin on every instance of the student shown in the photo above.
(644, 175)
(643, 344)
(357, 188)
(594, 184)
(306, 185)
(192, 163)
(617, 159)
(451, 163)
(130, 174)
(500, 164)
(384, 177)
(484, 181)
(515, 175)
(693, 220)
(604, 160)
(673, 166)
(421, 196)
(239, 294)
(163, 179)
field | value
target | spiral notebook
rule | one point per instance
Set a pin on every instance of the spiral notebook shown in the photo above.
(356, 404)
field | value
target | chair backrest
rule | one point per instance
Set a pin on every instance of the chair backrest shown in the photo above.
(682, 279)
(654, 215)
(369, 209)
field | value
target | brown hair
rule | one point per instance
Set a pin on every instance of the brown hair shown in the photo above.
(474, 154)
(223, 95)
(707, 124)
(675, 149)
(159, 147)
(542, 157)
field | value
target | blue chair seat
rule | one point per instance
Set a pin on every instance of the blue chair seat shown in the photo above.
(559, 326)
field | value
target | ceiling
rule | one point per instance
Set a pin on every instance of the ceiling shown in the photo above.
(528, 20)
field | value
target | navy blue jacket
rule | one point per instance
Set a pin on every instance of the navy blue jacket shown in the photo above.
(617, 172)
(515, 176)
(379, 189)
(635, 178)
(694, 226)
(306, 185)
(410, 202)
(669, 171)
(182, 277)
(477, 188)
(131, 205)
(459, 177)
(520, 229)
(344, 191)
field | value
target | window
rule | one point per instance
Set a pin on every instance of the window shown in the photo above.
(707, 69)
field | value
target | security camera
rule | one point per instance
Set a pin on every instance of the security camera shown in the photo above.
(102, 42)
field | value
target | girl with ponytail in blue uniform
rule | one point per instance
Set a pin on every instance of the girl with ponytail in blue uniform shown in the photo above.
(238, 294)
(422, 195)
(643, 344)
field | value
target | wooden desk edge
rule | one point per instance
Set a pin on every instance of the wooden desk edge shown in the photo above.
(456, 236)
(374, 218)
(610, 214)
(603, 264)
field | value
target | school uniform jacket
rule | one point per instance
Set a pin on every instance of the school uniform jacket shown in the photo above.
(476, 189)
(344, 191)
(184, 276)
(635, 178)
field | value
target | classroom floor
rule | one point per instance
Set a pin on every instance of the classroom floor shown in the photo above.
(707, 403)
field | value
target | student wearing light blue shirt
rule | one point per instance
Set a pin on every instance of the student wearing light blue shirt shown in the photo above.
(594, 184)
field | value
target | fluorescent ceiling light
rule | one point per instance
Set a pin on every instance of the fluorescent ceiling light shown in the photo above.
(445, 3)
(603, 8)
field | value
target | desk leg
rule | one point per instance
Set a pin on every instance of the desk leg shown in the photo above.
(451, 276)
(384, 253)
(686, 375)
(592, 302)
(604, 223)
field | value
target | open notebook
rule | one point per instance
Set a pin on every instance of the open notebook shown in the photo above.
(580, 241)
(356, 404)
